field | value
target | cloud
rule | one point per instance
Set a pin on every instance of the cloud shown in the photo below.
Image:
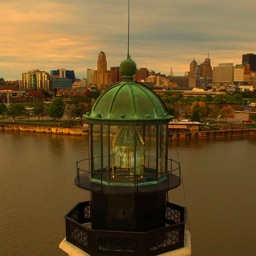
(69, 34)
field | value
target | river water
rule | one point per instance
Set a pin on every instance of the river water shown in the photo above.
(37, 190)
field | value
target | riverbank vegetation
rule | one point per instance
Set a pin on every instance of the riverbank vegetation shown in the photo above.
(212, 111)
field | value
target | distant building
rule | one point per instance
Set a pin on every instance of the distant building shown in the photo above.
(206, 69)
(71, 75)
(223, 73)
(241, 75)
(63, 73)
(102, 76)
(250, 58)
(61, 83)
(179, 81)
(80, 83)
(34, 80)
(90, 73)
(192, 73)
(141, 74)
(200, 75)
(157, 79)
(116, 75)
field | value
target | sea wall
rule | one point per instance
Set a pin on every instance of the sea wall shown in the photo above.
(181, 135)
(44, 129)
(243, 132)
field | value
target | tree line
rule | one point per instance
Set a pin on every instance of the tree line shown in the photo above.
(195, 108)
(74, 109)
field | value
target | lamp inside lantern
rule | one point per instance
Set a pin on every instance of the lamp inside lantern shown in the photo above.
(128, 153)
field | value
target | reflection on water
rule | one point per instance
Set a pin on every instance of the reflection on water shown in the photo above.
(37, 190)
(56, 147)
(219, 180)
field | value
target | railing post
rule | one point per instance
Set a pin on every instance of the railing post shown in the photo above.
(77, 172)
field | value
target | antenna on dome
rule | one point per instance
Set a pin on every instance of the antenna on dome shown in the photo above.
(128, 48)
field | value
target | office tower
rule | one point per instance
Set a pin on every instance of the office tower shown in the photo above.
(102, 76)
(250, 58)
(63, 73)
(116, 74)
(90, 73)
(223, 74)
(192, 73)
(206, 69)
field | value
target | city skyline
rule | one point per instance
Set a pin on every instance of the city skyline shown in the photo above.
(70, 34)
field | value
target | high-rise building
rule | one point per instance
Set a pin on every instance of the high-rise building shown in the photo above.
(71, 75)
(250, 58)
(239, 71)
(223, 74)
(90, 73)
(199, 73)
(63, 73)
(34, 80)
(102, 76)
(116, 74)
(192, 73)
(206, 69)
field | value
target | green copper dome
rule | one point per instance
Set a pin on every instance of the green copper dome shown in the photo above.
(128, 101)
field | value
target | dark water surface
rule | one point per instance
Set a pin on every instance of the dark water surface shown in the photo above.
(37, 190)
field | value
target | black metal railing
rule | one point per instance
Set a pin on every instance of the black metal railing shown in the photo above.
(79, 232)
(124, 177)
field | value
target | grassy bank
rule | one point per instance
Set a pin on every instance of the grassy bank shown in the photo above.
(42, 122)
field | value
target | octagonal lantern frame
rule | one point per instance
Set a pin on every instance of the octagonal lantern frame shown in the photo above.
(156, 172)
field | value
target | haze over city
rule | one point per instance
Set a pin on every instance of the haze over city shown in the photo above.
(54, 34)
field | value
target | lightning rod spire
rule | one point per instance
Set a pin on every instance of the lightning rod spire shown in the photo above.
(128, 48)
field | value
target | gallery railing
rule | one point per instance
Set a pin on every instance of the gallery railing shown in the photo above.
(169, 175)
(79, 231)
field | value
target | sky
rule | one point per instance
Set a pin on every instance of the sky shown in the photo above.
(164, 35)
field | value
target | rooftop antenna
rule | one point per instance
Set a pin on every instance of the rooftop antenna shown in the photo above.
(128, 49)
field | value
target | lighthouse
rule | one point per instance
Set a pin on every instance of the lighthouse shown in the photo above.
(128, 172)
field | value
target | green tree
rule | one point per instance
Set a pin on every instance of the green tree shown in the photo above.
(56, 109)
(16, 109)
(227, 112)
(78, 107)
(173, 97)
(190, 99)
(220, 99)
(208, 98)
(235, 98)
(198, 111)
(3, 109)
(252, 117)
(213, 112)
(195, 116)
(39, 108)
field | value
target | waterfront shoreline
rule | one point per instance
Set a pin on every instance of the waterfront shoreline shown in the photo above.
(211, 134)
(83, 130)
(77, 131)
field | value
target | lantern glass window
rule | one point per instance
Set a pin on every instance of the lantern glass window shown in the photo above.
(128, 155)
